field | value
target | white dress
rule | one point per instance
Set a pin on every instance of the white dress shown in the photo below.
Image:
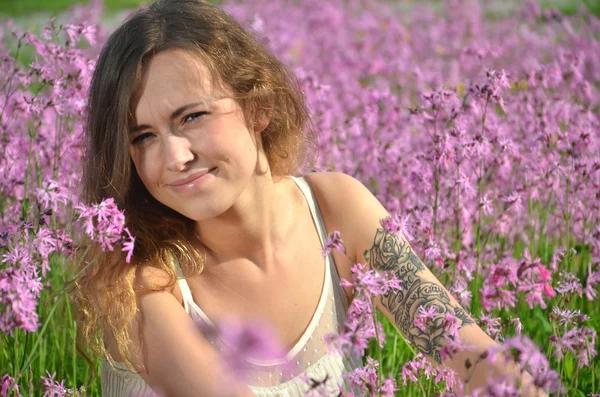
(309, 357)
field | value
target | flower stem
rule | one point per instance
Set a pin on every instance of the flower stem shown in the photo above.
(25, 208)
(480, 189)
(573, 381)
(379, 358)
(568, 215)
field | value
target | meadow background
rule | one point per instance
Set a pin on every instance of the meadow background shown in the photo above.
(478, 122)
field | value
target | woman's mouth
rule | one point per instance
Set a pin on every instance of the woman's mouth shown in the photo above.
(192, 181)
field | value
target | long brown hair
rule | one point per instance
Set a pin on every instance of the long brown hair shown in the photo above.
(104, 292)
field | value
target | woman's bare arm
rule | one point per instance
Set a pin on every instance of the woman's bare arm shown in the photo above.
(365, 236)
(390, 252)
(178, 360)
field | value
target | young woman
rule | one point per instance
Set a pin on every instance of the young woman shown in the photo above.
(196, 130)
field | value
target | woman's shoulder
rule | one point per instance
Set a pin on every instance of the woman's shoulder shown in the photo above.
(149, 277)
(338, 191)
(345, 203)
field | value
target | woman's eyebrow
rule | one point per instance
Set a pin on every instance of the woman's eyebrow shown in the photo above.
(174, 115)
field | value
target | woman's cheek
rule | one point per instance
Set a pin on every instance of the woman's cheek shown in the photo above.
(150, 161)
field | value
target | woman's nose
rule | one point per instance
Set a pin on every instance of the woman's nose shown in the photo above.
(177, 152)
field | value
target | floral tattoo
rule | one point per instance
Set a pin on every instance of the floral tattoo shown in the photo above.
(392, 253)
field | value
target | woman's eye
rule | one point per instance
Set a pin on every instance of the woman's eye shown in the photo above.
(141, 138)
(193, 116)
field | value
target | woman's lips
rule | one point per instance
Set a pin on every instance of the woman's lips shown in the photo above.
(192, 180)
(189, 179)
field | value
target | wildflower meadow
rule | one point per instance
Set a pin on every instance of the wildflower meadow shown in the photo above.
(475, 123)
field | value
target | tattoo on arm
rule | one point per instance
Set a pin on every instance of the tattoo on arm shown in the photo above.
(391, 253)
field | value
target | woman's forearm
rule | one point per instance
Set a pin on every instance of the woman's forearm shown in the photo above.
(477, 368)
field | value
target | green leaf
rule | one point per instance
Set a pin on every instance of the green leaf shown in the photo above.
(542, 320)
(569, 367)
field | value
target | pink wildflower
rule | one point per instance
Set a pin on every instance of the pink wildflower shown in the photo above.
(593, 279)
(8, 386)
(580, 341)
(425, 316)
(334, 240)
(128, 245)
(569, 283)
(410, 371)
(52, 388)
(105, 223)
(395, 224)
(51, 195)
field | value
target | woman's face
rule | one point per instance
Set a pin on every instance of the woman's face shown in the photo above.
(190, 144)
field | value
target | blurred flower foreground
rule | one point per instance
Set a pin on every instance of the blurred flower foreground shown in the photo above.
(479, 129)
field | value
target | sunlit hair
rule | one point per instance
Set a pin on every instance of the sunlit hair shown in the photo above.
(264, 87)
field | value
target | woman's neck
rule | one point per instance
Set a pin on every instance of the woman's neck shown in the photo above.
(254, 227)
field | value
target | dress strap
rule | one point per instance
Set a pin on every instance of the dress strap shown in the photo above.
(318, 219)
(186, 292)
(314, 207)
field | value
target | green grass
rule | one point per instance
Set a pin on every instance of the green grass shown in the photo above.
(17, 8)
(27, 356)
(570, 6)
(55, 7)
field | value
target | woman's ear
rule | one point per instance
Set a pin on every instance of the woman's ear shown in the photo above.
(263, 116)
(262, 122)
